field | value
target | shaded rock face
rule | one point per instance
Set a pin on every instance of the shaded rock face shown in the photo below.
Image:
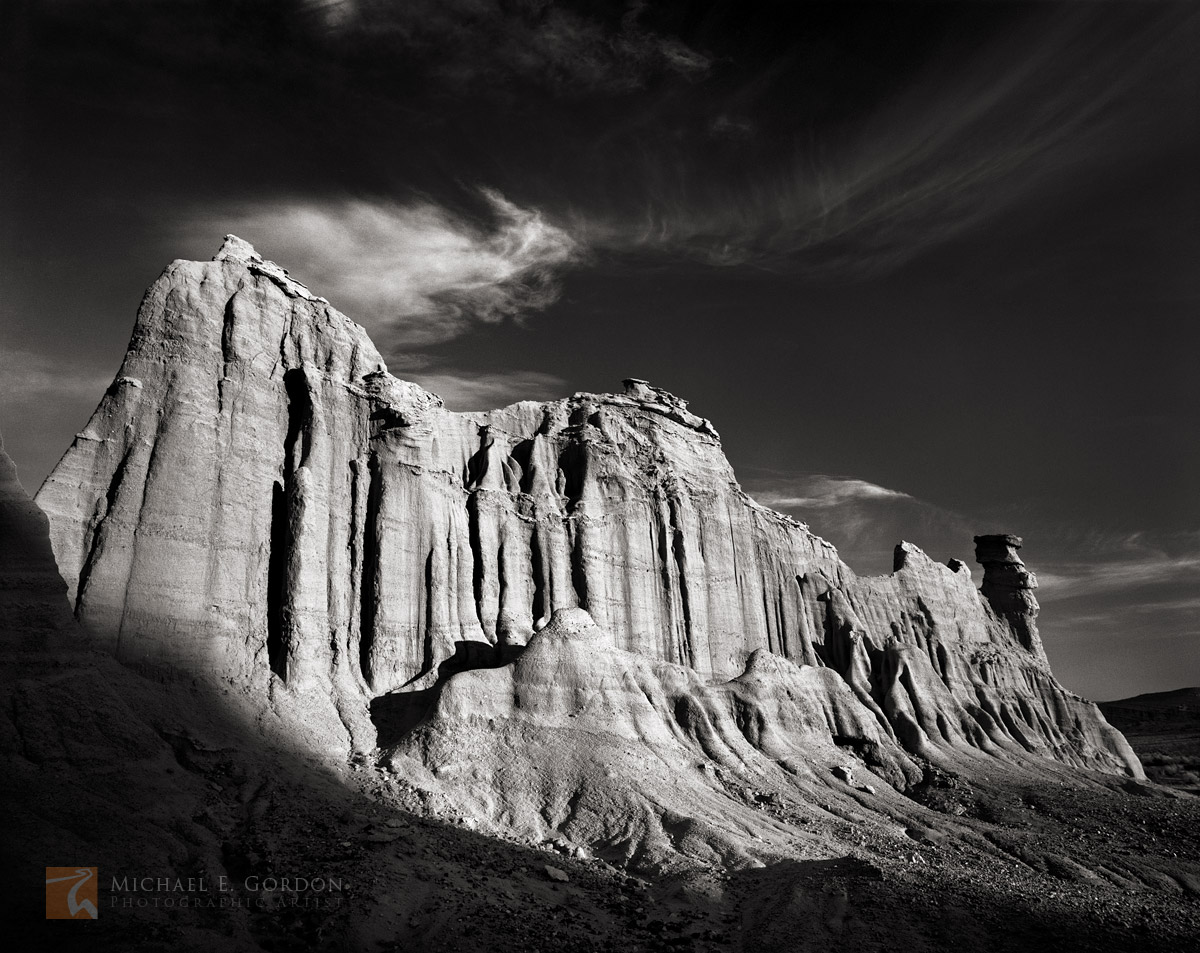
(32, 593)
(257, 497)
(1008, 586)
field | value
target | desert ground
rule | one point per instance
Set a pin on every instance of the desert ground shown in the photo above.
(1064, 860)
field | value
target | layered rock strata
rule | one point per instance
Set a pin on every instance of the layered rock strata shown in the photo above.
(257, 497)
(1008, 586)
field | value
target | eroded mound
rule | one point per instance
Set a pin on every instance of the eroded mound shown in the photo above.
(642, 762)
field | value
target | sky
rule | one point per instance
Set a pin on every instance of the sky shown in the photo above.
(930, 269)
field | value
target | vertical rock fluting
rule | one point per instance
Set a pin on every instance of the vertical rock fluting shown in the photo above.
(949, 672)
(257, 497)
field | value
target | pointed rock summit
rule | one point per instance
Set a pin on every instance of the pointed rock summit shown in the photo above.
(237, 249)
(241, 252)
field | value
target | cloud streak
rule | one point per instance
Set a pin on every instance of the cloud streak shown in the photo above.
(1139, 567)
(819, 491)
(466, 44)
(1142, 572)
(38, 393)
(1127, 619)
(29, 379)
(954, 151)
(863, 519)
(416, 274)
(463, 390)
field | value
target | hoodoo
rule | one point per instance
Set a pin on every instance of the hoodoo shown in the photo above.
(257, 498)
(1008, 586)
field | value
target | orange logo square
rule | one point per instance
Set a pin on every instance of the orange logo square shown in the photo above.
(72, 893)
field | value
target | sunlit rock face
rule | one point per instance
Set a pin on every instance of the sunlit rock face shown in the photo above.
(256, 497)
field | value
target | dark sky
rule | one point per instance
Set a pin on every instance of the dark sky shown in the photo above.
(931, 269)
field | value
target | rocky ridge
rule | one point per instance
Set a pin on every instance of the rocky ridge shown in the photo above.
(257, 499)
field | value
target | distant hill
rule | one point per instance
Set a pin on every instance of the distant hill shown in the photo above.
(1164, 730)
(1180, 699)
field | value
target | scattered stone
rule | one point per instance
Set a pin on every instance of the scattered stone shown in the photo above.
(925, 835)
(379, 837)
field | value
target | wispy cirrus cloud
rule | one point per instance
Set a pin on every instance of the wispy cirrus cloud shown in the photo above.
(29, 378)
(415, 273)
(1100, 565)
(952, 152)
(863, 519)
(465, 390)
(39, 392)
(464, 44)
(1121, 611)
(819, 491)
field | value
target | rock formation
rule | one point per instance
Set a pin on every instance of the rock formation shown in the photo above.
(1008, 586)
(256, 497)
(782, 802)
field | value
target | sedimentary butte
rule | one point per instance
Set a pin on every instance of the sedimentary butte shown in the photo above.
(257, 498)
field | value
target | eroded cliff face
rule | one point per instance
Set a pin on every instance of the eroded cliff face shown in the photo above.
(257, 497)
